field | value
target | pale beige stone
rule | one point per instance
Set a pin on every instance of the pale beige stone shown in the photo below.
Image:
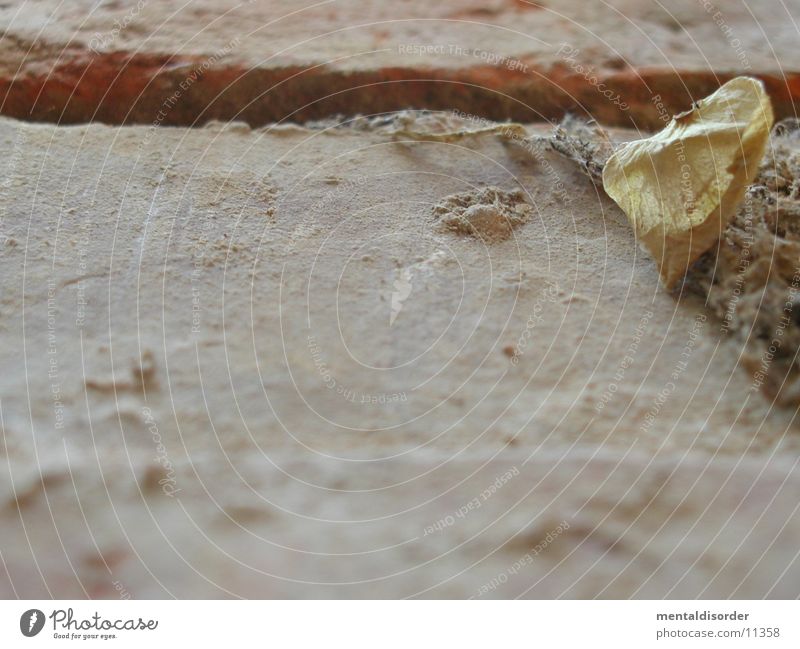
(271, 326)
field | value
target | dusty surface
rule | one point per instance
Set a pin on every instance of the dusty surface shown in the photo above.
(622, 62)
(490, 214)
(751, 277)
(253, 363)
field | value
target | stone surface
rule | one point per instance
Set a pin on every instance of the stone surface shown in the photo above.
(176, 63)
(577, 524)
(252, 363)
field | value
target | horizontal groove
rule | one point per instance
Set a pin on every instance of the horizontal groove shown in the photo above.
(120, 88)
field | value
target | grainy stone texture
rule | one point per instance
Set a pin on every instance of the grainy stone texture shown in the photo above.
(266, 61)
(252, 363)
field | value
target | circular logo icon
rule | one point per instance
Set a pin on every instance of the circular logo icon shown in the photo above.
(31, 622)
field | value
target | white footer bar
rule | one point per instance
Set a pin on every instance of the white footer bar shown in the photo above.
(401, 624)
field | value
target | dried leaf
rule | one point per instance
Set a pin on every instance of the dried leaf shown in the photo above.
(680, 187)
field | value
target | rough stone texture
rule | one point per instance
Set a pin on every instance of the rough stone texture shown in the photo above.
(635, 527)
(251, 363)
(265, 61)
(751, 277)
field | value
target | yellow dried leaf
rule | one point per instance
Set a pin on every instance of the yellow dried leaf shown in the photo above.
(680, 187)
